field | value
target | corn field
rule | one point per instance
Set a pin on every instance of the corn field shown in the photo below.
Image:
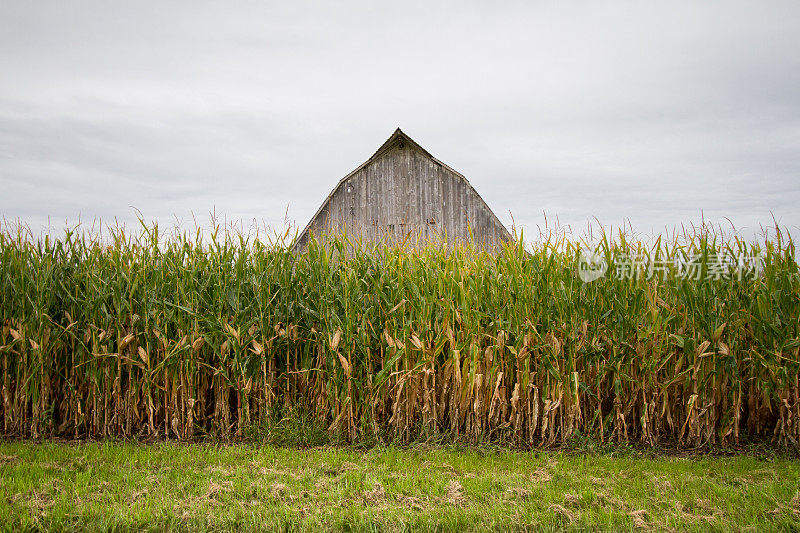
(142, 336)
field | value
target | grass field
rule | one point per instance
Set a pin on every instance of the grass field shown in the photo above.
(122, 487)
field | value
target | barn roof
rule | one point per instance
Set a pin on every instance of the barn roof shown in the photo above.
(390, 142)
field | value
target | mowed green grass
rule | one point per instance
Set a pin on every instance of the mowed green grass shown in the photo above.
(121, 486)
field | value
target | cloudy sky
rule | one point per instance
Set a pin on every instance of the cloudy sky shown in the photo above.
(648, 112)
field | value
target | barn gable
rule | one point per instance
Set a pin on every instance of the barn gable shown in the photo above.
(403, 194)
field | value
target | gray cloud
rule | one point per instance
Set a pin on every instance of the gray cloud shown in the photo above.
(648, 113)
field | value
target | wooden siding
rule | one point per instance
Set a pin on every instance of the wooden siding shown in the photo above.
(403, 194)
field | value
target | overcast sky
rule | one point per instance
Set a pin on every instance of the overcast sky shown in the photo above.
(640, 111)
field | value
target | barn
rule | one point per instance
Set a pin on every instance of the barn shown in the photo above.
(402, 194)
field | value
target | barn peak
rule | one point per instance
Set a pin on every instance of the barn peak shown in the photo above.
(404, 194)
(399, 136)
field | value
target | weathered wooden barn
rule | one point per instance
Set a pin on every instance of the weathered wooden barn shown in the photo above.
(402, 194)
